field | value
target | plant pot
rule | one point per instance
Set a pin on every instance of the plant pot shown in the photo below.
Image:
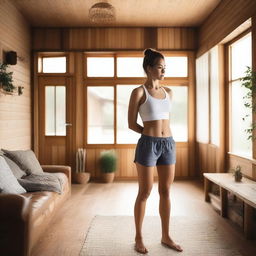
(238, 179)
(81, 177)
(108, 177)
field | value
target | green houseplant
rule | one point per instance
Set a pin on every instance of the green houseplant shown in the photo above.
(237, 172)
(249, 82)
(107, 162)
(6, 80)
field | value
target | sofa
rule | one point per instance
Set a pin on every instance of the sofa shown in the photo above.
(25, 216)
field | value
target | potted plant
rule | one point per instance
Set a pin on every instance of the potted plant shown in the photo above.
(81, 176)
(107, 162)
(237, 173)
(6, 80)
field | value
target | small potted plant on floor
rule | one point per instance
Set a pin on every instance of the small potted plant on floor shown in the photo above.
(81, 176)
(237, 173)
(107, 162)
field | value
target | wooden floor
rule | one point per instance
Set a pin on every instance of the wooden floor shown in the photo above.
(67, 231)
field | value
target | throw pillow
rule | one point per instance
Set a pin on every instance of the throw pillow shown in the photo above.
(8, 182)
(63, 179)
(41, 182)
(17, 172)
(26, 160)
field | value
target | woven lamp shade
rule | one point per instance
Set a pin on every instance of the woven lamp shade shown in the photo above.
(102, 12)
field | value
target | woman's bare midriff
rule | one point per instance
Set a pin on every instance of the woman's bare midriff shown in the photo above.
(157, 128)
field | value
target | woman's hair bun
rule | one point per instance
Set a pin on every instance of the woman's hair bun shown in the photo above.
(148, 51)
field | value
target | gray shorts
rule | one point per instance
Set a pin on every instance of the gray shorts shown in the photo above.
(152, 151)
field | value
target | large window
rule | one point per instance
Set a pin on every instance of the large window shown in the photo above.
(179, 113)
(202, 99)
(240, 57)
(100, 112)
(111, 80)
(130, 67)
(124, 134)
(214, 96)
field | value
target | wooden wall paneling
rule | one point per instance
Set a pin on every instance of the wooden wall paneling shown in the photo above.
(211, 158)
(246, 164)
(105, 38)
(191, 113)
(202, 158)
(183, 163)
(113, 38)
(176, 38)
(150, 38)
(15, 111)
(97, 166)
(47, 39)
(225, 18)
(90, 162)
(254, 172)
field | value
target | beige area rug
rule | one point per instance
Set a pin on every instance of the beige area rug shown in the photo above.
(114, 236)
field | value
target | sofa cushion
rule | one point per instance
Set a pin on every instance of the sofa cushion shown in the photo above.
(16, 170)
(26, 160)
(8, 182)
(41, 182)
(42, 203)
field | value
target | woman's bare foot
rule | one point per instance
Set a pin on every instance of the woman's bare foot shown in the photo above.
(139, 246)
(169, 243)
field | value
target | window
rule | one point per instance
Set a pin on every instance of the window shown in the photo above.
(52, 65)
(240, 57)
(202, 102)
(179, 113)
(107, 106)
(130, 67)
(214, 97)
(55, 110)
(100, 112)
(100, 67)
(176, 66)
(124, 134)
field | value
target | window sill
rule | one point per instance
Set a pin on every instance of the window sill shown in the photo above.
(244, 157)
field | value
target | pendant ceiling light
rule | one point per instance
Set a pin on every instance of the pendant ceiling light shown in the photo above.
(102, 12)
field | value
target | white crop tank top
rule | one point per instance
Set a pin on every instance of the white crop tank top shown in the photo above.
(153, 108)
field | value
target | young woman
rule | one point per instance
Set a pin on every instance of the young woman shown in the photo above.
(156, 146)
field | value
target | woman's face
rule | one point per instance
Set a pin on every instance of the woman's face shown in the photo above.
(157, 71)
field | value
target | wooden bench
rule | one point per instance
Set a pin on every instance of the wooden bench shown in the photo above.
(245, 190)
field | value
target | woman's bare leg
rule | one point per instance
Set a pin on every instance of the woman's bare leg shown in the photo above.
(145, 180)
(166, 176)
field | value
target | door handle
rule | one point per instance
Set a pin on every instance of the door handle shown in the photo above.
(68, 124)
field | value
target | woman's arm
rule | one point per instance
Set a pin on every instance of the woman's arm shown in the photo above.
(133, 110)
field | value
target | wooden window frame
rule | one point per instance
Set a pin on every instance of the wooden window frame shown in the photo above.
(42, 55)
(228, 83)
(114, 81)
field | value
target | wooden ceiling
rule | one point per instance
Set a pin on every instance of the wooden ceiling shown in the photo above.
(129, 13)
